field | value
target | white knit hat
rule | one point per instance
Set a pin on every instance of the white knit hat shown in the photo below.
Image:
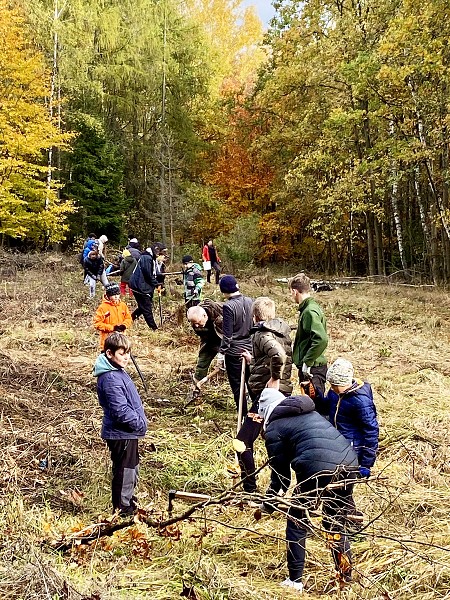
(340, 372)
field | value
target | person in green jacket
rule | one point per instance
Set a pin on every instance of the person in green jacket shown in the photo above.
(311, 339)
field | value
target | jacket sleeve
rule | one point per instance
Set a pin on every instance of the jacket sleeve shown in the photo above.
(280, 476)
(322, 402)
(199, 282)
(227, 329)
(205, 253)
(123, 266)
(126, 315)
(100, 318)
(368, 424)
(147, 272)
(125, 417)
(270, 347)
(318, 337)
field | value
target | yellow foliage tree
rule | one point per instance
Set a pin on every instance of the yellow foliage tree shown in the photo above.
(29, 204)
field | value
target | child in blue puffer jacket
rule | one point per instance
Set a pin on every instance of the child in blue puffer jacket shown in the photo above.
(124, 421)
(352, 411)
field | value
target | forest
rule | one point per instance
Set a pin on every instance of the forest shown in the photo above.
(321, 141)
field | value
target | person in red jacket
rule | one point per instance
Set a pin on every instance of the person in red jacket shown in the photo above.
(112, 314)
(211, 260)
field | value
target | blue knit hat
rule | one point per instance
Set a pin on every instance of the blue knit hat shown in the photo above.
(228, 284)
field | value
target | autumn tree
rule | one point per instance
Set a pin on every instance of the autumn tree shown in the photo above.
(29, 204)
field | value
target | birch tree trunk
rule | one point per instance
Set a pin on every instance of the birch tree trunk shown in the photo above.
(395, 209)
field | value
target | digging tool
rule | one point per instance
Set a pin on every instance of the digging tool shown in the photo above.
(173, 273)
(238, 445)
(160, 305)
(196, 392)
(136, 366)
(241, 396)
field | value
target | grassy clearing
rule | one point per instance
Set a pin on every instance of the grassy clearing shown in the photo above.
(55, 469)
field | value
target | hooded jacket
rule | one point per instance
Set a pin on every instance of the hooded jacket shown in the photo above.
(127, 266)
(193, 282)
(311, 339)
(297, 436)
(93, 266)
(143, 279)
(109, 314)
(353, 413)
(272, 355)
(124, 417)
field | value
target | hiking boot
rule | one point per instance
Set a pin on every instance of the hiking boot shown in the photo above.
(295, 585)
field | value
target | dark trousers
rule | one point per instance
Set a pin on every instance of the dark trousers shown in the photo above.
(250, 429)
(248, 433)
(216, 268)
(206, 355)
(336, 503)
(318, 379)
(144, 307)
(125, 469)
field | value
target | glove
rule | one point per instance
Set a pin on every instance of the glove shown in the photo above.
(120, 327)
(220, 361)
(306, 371)
(196, 294)
(364, 472)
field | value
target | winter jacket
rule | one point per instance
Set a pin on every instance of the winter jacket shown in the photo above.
(207, 255)
(127, 266)
(193, 282)
(353, 413)
(123, 417)
(101, 245)
(297, 436)
(94, 267)
(143, 279)
(272, 355)
(89, 245)
(108, 315)
(237, 322)
(311, 338)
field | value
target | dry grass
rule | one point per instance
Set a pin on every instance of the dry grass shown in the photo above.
(55, 470)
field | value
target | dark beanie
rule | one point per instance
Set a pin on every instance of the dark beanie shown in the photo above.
(187, 259)
(112, 289)
(228, 284)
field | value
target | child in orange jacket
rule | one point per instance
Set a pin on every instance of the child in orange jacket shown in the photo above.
(112, 314)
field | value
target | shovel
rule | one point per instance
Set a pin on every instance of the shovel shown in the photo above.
(195, 394)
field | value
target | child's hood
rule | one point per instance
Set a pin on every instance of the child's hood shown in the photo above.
(276, 326)
(102, 365)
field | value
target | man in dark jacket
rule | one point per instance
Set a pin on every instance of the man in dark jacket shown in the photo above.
(124, 421)
(298, 437)
(237, 322)
(207, 320)
(143, 283)
(311, 339)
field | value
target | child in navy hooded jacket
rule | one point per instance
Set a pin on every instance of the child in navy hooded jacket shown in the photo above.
(124, 420)
(352, 411)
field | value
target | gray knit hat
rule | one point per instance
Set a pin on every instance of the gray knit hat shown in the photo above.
(340, 372)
